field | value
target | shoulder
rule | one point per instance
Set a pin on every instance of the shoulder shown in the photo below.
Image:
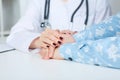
(102, 2)
(99, 3)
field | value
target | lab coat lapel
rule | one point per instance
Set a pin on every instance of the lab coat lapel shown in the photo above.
(58, 15)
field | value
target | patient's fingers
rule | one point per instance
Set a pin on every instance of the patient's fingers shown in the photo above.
(51, 52)
(46, 56)
(44, 53)
(47, 53)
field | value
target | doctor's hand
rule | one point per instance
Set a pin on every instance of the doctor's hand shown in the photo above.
(47, 38)
(49, 53)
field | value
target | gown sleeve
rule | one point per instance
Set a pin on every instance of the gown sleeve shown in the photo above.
(108, 28)
(102, 48)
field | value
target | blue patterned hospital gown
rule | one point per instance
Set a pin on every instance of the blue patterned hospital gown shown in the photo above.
(97, 45)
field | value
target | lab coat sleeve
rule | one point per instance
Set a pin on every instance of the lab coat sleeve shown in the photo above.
(27, 28)
(103, 52)
(108, 28)
(103, 10)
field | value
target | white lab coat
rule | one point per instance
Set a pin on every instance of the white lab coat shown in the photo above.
(28, 27)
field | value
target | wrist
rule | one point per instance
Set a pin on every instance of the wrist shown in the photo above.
(34, 43)
(57, 55)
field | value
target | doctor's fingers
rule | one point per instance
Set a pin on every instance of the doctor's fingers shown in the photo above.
(55, 33)
(46, 42)
(55, 41)
(43, 45)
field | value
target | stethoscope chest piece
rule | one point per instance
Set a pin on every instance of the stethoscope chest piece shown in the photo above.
(45, 25)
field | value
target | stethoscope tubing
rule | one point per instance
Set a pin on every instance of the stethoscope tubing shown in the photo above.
(72, 17)
(87, 12)
(47, 12)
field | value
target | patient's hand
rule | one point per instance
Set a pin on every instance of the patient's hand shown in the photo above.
(44, 52)
(67, 38)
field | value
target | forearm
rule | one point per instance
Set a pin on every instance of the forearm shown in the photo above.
(34, 44)
(104, 52)
(21, 41)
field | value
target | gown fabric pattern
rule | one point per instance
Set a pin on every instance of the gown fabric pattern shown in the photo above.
(97, 45)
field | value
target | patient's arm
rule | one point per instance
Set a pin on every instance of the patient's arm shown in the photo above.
(67, 38)
(103, 52)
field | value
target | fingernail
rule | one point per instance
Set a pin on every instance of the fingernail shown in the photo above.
(56, 47)
(50, 58)
(54, 44)
(61, 38)
(47, 46)
(59, 42)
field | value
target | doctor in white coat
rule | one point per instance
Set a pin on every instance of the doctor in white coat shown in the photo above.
(62, 13)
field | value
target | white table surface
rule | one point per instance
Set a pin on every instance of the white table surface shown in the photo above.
(16, 65)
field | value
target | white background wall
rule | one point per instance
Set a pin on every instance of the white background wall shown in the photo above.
(11, 13)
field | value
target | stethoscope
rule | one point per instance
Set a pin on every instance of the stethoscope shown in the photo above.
(46, 24)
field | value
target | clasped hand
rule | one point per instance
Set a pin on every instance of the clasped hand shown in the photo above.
(50, 41)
